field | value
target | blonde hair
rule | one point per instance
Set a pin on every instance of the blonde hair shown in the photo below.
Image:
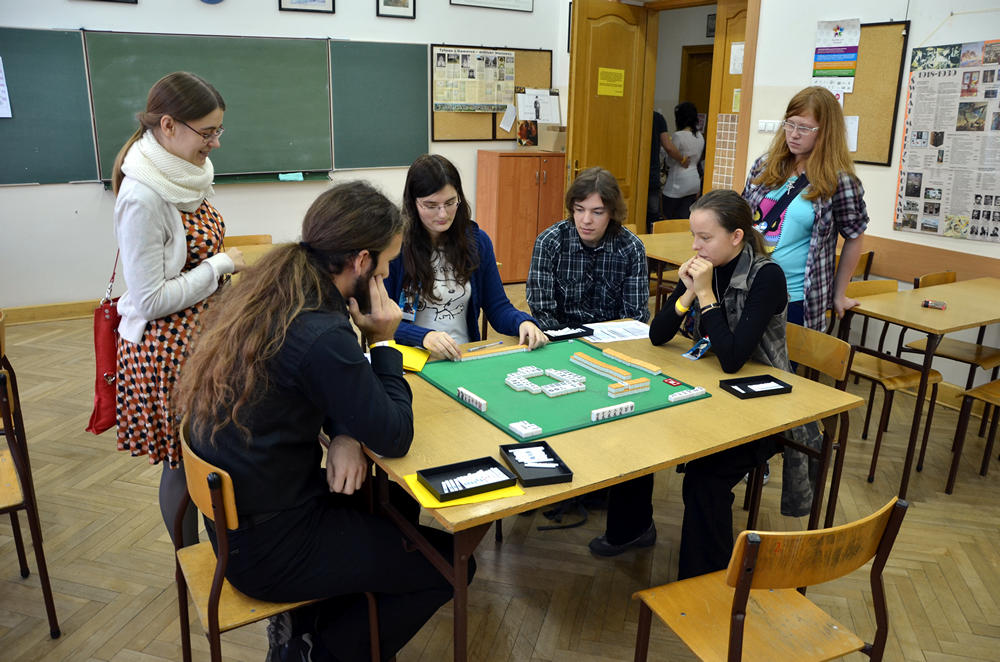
(829, 156)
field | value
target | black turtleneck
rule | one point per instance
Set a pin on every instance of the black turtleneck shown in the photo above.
(767, 297)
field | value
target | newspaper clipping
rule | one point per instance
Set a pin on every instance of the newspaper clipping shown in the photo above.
(472, 80)
(949, 181)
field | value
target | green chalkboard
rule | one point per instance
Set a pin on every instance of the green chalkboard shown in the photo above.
(277, 94)
(379, 103)
(49, 137)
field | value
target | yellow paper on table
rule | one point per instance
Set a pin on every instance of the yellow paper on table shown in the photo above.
(414, 358)
(427, 500)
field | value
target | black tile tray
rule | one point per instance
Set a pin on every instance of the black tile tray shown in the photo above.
(535, 476)
(581, 331)
(433, 478)
(740, 386)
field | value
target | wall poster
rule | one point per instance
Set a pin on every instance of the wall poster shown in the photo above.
(949, 178)
(472, 80)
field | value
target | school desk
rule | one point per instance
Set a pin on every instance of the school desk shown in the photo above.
(971, 304)
(446, 431)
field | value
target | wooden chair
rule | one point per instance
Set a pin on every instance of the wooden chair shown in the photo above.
(17, 489)
(891, 373)
(976, 355)
(751, 610)
(232, 240)
(989, 394)
(665, 281)
(631, 227)
(818, 353)
(221, 607)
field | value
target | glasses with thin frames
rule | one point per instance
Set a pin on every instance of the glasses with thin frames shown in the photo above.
(433, 207)
(791, 127)
(207, 136)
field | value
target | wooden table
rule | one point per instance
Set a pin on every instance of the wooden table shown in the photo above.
(971, 303)
(600, 456)
(668, 247)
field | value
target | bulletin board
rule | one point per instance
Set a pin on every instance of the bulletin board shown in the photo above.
(875, 99)
(532, 68)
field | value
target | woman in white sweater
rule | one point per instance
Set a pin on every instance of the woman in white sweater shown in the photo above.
(683, 180)
(170, 245)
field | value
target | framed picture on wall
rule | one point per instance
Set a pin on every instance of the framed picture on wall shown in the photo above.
(514, 5)
(325, 6)
(396, 8)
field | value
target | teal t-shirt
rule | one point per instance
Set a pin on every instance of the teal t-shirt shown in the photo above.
(790, 240)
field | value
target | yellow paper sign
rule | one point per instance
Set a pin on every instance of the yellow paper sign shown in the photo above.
(610, 82)
(427, 499)
(736, 100)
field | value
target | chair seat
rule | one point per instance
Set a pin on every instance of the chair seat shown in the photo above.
(780, 624)
(891, 375)
(987, 393)
(984, 356)
(11, 495)
(235, 609)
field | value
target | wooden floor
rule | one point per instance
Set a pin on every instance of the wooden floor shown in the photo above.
(538, 596)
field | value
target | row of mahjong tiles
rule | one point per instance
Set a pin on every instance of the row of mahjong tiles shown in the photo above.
(554, 396)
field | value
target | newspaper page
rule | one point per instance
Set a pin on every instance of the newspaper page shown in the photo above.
(949, 181)
(473, 80)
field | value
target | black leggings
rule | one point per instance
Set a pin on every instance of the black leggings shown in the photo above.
(331, 549)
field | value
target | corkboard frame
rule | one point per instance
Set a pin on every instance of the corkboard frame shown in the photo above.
(532, 68)
(881, 58)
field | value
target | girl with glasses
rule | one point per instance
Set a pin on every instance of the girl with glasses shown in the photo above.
(809, 172)
(170, 244)
(447, 271)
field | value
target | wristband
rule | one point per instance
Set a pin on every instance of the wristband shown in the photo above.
(705, 309)
(680, 308)
(382, 343)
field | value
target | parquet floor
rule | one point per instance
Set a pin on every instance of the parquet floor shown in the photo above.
(538, 596)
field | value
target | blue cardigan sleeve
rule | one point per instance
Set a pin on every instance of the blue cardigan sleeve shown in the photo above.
(501, 313)
(407, 333)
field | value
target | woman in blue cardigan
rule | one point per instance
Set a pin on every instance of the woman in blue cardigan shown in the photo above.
(447, 272)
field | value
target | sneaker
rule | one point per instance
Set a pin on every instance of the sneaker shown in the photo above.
(282, 645)
(602, 547)
(767, 474)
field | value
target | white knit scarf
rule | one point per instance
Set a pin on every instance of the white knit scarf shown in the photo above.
(179, 182)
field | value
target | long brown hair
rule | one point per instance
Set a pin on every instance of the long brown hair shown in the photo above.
(603, 183)
(732, 213)
(246, 327)
(182, 95)
(829, 156)
(427, 175)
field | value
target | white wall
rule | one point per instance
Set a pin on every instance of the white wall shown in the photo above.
(56, 241)
(678, 28)
(785, 46)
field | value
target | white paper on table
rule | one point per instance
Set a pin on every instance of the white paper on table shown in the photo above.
(852, 132)
(4, 96)
(509, 116)
(617, 331)
(736, 58)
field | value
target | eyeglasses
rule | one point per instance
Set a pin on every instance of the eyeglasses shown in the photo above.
(791, 127)
(207, 136)
(432, 207)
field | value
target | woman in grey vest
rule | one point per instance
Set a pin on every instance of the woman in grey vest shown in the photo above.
(732, 294)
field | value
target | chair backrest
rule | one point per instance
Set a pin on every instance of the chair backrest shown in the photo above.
(7, 392)
(805, 558)
(671, 225)
(197, 472)
(819, 351)
(864, 268)
(864, 288)
(3, 333)
(246, 240)
(631, 227)
(936, 278)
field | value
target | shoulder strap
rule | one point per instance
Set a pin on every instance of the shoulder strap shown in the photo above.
(111, 282)
(771, 220)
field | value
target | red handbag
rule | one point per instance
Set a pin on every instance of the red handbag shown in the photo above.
(106, 319)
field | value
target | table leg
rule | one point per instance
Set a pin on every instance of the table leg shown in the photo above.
(456, 571)
(933, 340)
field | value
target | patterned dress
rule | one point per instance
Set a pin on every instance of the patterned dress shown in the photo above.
(147, 370)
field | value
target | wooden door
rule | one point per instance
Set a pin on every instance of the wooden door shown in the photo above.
(721, 167)
(517, 214)
(550, 192)
(696, 76)
(610, 126)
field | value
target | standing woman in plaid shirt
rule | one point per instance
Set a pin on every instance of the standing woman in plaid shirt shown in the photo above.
(803, 236)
